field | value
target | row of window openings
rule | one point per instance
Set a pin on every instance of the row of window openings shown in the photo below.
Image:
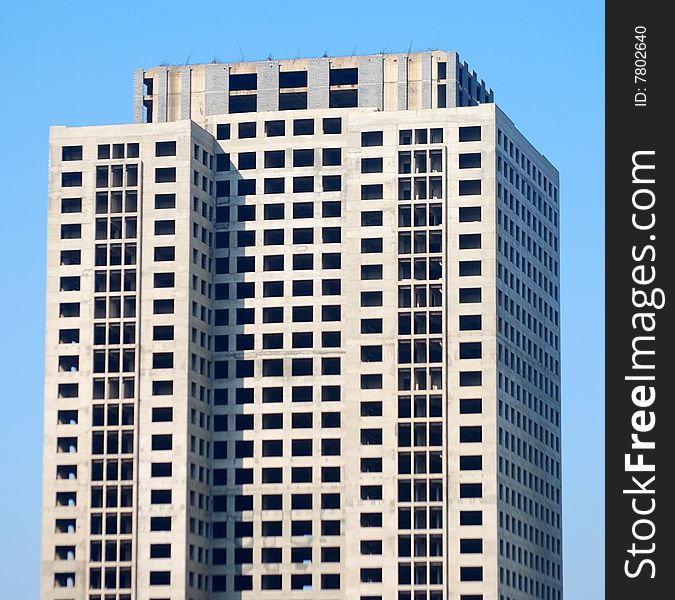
(537, 276)
(431, 161)
(526, 397)
(106, 202)
(337, 98)
(534, 456)
(526, 423)
(526, 318)
(277, 128)
(276, 159)
(277, 185)
(527, 217)
(529, 559)
(421, 188)
(525, 164)
(115, 176)
(106, 228)
(273, 128)
(113, 307)
(73, 153)
(522, 341)
(271, 212)
(508, 251)
(526, 531)
(528, 505)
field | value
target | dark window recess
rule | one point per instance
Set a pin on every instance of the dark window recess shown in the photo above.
(371, 138)
(343, 76)
(470, 463)
(71, 231)
(292, 100)
(371, 165)
(331, 235)
(165, 227)
(303, 127)
(371, 245)
(470, 350)
(165, 148)
(165, 201)
(469, 214)
(222, 191)
(331, 183)
(292, 79)
(471, 517)
(243, 104)
(274, 159)
(222, 162)
(469, 134)
(275, 128)
(371, 325)
(331, 157)
(332, 125)
(165, 253)
(243, 82)
(470, 187)
(303, 235)
(436, 135)
(469, 241)
(470, 406)
(165, 175)
(274, 185)
(222, 214)
(470, 378)
(469, 268)
(302, 210)
(246, 130)
(371, 218)
(246, 160)
(470, 322)
(71, 153)
(471, 573)
(223, 131)
(73, 179)
(273, 212)
(303, 158)
(303, 184)
(246, 187)
(343, 98)
(405, 137)
(372, 192)
(469, 295)
(471, 160)
(71, 205)
(331, 209)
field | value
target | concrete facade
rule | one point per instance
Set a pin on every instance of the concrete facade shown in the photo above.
(307, 353)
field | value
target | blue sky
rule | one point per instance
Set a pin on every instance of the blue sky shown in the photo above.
(71, 63)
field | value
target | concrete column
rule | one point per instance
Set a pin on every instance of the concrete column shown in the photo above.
(185, 81)
(138, 96)
(426, 79)
(317, 83)
(160, 92)
(268, 85)
(216, 90)
(403, 83)
(371, 81)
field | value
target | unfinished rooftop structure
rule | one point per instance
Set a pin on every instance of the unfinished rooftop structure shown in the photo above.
(389, 82)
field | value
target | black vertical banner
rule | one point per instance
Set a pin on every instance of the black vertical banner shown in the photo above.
(640, 269)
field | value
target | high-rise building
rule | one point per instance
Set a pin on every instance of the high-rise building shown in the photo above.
(303, 341)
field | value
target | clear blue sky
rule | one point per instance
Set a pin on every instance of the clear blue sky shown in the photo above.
(71, 63)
